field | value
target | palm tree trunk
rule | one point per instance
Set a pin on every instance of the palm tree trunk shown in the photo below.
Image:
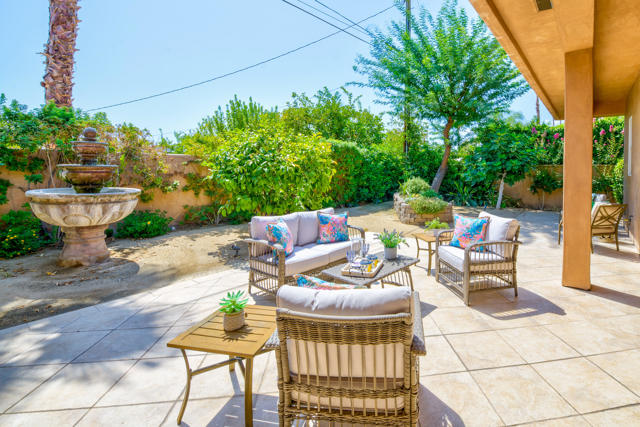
(59, 51)
(442, 170)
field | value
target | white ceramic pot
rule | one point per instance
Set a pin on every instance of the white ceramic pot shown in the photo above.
(233, 321)
(391, 253)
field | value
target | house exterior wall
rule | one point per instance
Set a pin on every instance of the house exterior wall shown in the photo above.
(632, 161)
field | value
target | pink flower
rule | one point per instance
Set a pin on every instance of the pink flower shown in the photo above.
(556, 136)
(610, 128)
(562, 139)
(595, 141)
(622, 132)
(602, 132)
(533, 130)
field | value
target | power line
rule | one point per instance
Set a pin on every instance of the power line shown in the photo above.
(339, 14)
(327, 22)
(331, 16)
(273, 58)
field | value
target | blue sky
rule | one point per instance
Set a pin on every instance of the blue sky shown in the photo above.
(131, 49)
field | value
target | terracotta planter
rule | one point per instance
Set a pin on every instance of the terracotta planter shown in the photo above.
(391, 253)
(233, 321)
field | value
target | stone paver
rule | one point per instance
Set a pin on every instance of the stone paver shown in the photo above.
(554, 356)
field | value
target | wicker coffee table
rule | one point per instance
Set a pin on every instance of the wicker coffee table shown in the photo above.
(240, 345)
(393, 272)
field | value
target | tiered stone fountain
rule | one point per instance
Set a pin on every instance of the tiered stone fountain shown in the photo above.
(86, 210)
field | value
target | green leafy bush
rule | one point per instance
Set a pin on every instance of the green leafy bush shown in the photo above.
(426, 205)
(20, 234)
(269, 171)
(545, 182)
(618, 181)
(363, 174)
(142, 224)
(436, 224)
(202, 215)
(417, 185)
(608, 140)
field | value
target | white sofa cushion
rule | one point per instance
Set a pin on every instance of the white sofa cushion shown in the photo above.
(357, 302)
(480, 261)
(499, 228)
(258, 225)
(308, 226)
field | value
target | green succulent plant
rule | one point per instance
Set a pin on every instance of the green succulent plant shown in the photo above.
(436, 224)
(234, 302)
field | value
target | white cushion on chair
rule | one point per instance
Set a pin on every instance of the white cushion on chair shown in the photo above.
(308, 226)
(480, 261)
(499, 228)
(356, 302)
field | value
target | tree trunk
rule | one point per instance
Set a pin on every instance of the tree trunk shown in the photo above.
(442, 170)
(499, 203)
(59, 51)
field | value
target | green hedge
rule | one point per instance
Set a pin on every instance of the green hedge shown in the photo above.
(363, 175)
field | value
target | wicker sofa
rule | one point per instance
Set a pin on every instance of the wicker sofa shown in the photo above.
(269, 268)
(349, 356)
(481, 266)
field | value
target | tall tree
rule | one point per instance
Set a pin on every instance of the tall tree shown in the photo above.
(59, 51)
(452, 71)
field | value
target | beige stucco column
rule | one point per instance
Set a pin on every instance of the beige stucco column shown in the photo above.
(578, 113)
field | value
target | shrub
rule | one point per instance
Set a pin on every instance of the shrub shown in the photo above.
(142, 224)
(20, 234)
(618, 181)
(417, 185)
(271, 171)
(426, 205)
(202, 215)
(436, 224)
(363, 174)
(545, 182)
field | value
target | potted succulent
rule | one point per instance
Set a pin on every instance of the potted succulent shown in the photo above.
(391, 240)
(435, 225)
(233, 308)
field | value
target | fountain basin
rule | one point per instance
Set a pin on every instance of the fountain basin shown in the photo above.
(83, 218)
(87, 178)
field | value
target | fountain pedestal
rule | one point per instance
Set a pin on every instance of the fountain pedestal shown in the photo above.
(83, 246)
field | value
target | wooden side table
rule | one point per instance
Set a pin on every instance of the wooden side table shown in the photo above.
(242, 344)
(429, 238)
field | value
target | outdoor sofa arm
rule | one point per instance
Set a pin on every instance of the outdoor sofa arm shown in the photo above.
(261, 247)
(443, 236)
(356, 231)
(495, 246)
(418, 346)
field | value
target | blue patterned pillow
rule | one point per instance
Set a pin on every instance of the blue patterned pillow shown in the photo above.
(279, 233)
(469, 231)
(332, 228)
(315, 283)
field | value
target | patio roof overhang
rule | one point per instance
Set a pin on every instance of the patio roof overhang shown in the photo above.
(537, 40)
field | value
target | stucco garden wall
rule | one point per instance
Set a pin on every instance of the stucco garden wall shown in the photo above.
(179, 166)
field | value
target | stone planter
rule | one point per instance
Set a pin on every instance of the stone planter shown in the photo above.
(407, 215)
(233, 321)
(391, 253)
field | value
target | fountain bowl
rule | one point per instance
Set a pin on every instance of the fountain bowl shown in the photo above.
(83, 218)
(87, 178)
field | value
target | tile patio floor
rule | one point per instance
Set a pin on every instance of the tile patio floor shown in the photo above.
(553, 357)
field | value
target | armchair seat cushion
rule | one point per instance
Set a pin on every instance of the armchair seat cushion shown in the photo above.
(480, 261)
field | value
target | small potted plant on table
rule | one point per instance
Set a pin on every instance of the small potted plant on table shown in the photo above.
(233, 308)
(435, 225)
(391, 240)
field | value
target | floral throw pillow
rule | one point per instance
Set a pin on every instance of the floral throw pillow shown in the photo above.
(278, 232)
(332, 228)
(469, 231)
(315, 283)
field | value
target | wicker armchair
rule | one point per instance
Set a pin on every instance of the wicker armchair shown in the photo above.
(481, 266)
(269, 268)
(605, 221)
(359, 369)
